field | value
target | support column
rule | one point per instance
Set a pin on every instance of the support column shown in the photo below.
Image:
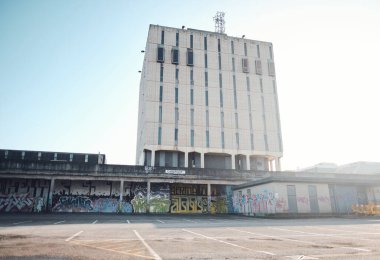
(271, 165)
(278, 164)
(186, 159)
(50, 196)
(121, 195)
(248, 159)
(147, 195)
(202, 160)
(152, 158)
(233, 161)
(209, 197)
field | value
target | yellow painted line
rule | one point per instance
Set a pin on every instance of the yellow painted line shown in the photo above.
(115, 251)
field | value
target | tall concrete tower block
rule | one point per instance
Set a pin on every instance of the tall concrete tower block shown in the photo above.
(208, 100)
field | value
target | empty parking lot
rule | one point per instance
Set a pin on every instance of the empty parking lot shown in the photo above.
(108, 236)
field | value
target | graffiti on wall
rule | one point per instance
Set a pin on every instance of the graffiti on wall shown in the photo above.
(265, 202)
(81, 203)
(21, 203)
(159, 198)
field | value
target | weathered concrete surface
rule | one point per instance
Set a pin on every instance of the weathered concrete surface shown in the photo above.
(105, 236)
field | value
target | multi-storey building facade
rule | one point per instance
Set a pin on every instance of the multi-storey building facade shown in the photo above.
(208, 100)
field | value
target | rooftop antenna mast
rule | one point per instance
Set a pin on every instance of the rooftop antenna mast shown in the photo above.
(219, 22)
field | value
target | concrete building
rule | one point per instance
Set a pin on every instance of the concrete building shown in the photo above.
(208, 100)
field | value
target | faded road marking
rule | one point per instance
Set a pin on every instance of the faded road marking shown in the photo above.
(22, 222)
(228, 243)
(59, 222)
(160, 221)
(188, 220)
(75, 235)
(128, 221)
(152, 252)
(96, 221)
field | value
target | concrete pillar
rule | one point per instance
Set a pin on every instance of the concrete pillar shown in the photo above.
(121, 190)
(186, 159)
(233, 161)
(50, 196)
(248, 162)
(152, 158)
(202, 160)
(278, 164)
(209, 197)
(147, 195)
(271, 165)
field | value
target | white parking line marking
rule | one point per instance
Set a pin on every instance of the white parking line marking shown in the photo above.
(188, 220)
(355, 248)
(128, 221)
(152, 252)
(160, 221)
(22, 222)
(96, 221)
(228, 243)
(59, 222)
(76, 234)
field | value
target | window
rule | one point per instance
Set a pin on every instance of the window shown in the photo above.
(220, 61)
(160, 114)
(176, 115)
(221, 98)
(162, 73)
(39, 156)
(222, 119)
(237, 140)
(206, 78)
(245, 65)
(218, 45)
(175, 56)
(191, 76)
(250, 121)
(192, 137)
(55, 156)
(220, 80)
(205, 42)
(176, 95)
(159, 135)
(207, 118)
(207, 138)
(270, 52)
(162, 37)
(71, 157)
(236, 120)
(177, 39)
(258, 67)
(232, 47)
(235, 94)
(190, 61)
(191, 41)
(206, 61)
(233, 64)
(271, 70)
(245, 49)
(192, 117)
(176, 74)
(86, 158)
(206, 97)
(176, 136)
(161, 92)
(252, 146)
(261, 86)
(22, 155)
(191, 96)
(258, 50)
(6, 155)
(160, 54)
(274, 87)
(248, 84)
(222, 141)
(249, 103)
(266, 142)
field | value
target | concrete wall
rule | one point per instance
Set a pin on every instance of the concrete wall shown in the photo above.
(273, 198)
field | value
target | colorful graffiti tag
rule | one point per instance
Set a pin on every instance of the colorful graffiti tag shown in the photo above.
(264, 202)
(74, 203)
(20, 203)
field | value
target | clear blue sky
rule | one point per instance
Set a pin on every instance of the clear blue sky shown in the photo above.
(69, 72)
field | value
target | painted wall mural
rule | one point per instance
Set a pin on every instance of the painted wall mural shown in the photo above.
(21, 203)
(264, 202)
(159, 198)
